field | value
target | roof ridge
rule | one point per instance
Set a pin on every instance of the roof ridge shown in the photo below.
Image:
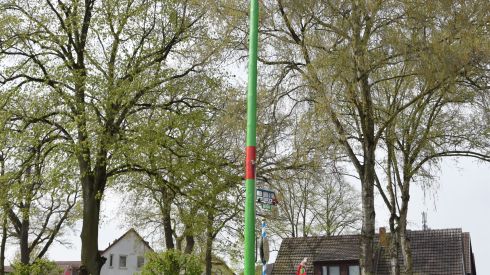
(122, 237)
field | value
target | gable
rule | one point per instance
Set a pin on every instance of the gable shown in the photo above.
(129, 243)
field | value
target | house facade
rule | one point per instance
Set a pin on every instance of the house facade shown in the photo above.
(126, 255)
(434, 252)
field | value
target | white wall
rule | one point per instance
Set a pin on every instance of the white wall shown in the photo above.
(130, 246)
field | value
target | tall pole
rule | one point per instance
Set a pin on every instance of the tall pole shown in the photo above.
(249, 264)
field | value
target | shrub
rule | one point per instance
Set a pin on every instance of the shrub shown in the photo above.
(172, 262)
(38, 267)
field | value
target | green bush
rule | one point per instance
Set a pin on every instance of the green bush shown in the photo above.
(38, 267)
(172, 262)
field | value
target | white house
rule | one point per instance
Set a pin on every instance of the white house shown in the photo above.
(126, 255)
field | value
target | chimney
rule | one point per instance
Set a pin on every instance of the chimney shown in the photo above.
(383, 238)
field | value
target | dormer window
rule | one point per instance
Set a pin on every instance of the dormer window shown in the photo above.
(354, 270)
(330, 270)
(337, 268)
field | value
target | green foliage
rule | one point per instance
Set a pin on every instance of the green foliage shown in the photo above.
(39, 267)
(172, 262)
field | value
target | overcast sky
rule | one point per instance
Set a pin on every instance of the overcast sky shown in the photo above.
(461, 201)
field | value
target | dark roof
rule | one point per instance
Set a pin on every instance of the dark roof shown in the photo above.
(469, 260)
(434, 252)
(122, 237)
(323, 248)
(445, 251)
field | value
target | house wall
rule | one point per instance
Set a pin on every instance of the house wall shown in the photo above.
(130, 246)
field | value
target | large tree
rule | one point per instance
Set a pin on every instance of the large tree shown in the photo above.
(185, 181)
(436, 125)
(39, 187)
(102, 64)
(312, 203)
(334, 54)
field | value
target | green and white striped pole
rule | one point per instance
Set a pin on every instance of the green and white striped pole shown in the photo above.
(249, 265)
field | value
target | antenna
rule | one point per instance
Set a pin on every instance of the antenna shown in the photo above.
(424, 221)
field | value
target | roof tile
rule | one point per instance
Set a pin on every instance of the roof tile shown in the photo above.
(434, 252)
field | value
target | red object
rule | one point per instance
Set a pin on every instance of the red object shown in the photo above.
(250, 162)
(301, 269)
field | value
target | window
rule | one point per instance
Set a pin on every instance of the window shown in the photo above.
(331, 270)
(122, 261)
(111, 260)
(140, 261)
(354, 270)
(337, 268)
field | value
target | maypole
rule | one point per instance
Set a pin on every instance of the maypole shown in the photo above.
(250, 158)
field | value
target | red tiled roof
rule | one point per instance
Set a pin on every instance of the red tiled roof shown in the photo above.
(74, 264)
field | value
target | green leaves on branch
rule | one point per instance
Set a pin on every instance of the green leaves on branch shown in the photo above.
(39, 267)
(172, 262)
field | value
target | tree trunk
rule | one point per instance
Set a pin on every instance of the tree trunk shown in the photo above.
(407, 252)
(404, 240)
(93, 185)
(367, 181)
(394, 229)
(167, 222)
(189, 244)
(91, 258)
(209, 243)
(394, 246)
(178, 243)
(209, 254)
(188, 232)
(24, 242)
(4, 224)
(360, 78)
(3, 245)
(368, 219)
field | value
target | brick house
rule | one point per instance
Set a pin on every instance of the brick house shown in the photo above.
(435, 252)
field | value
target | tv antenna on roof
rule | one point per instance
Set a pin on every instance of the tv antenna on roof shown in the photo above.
(424, 221)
